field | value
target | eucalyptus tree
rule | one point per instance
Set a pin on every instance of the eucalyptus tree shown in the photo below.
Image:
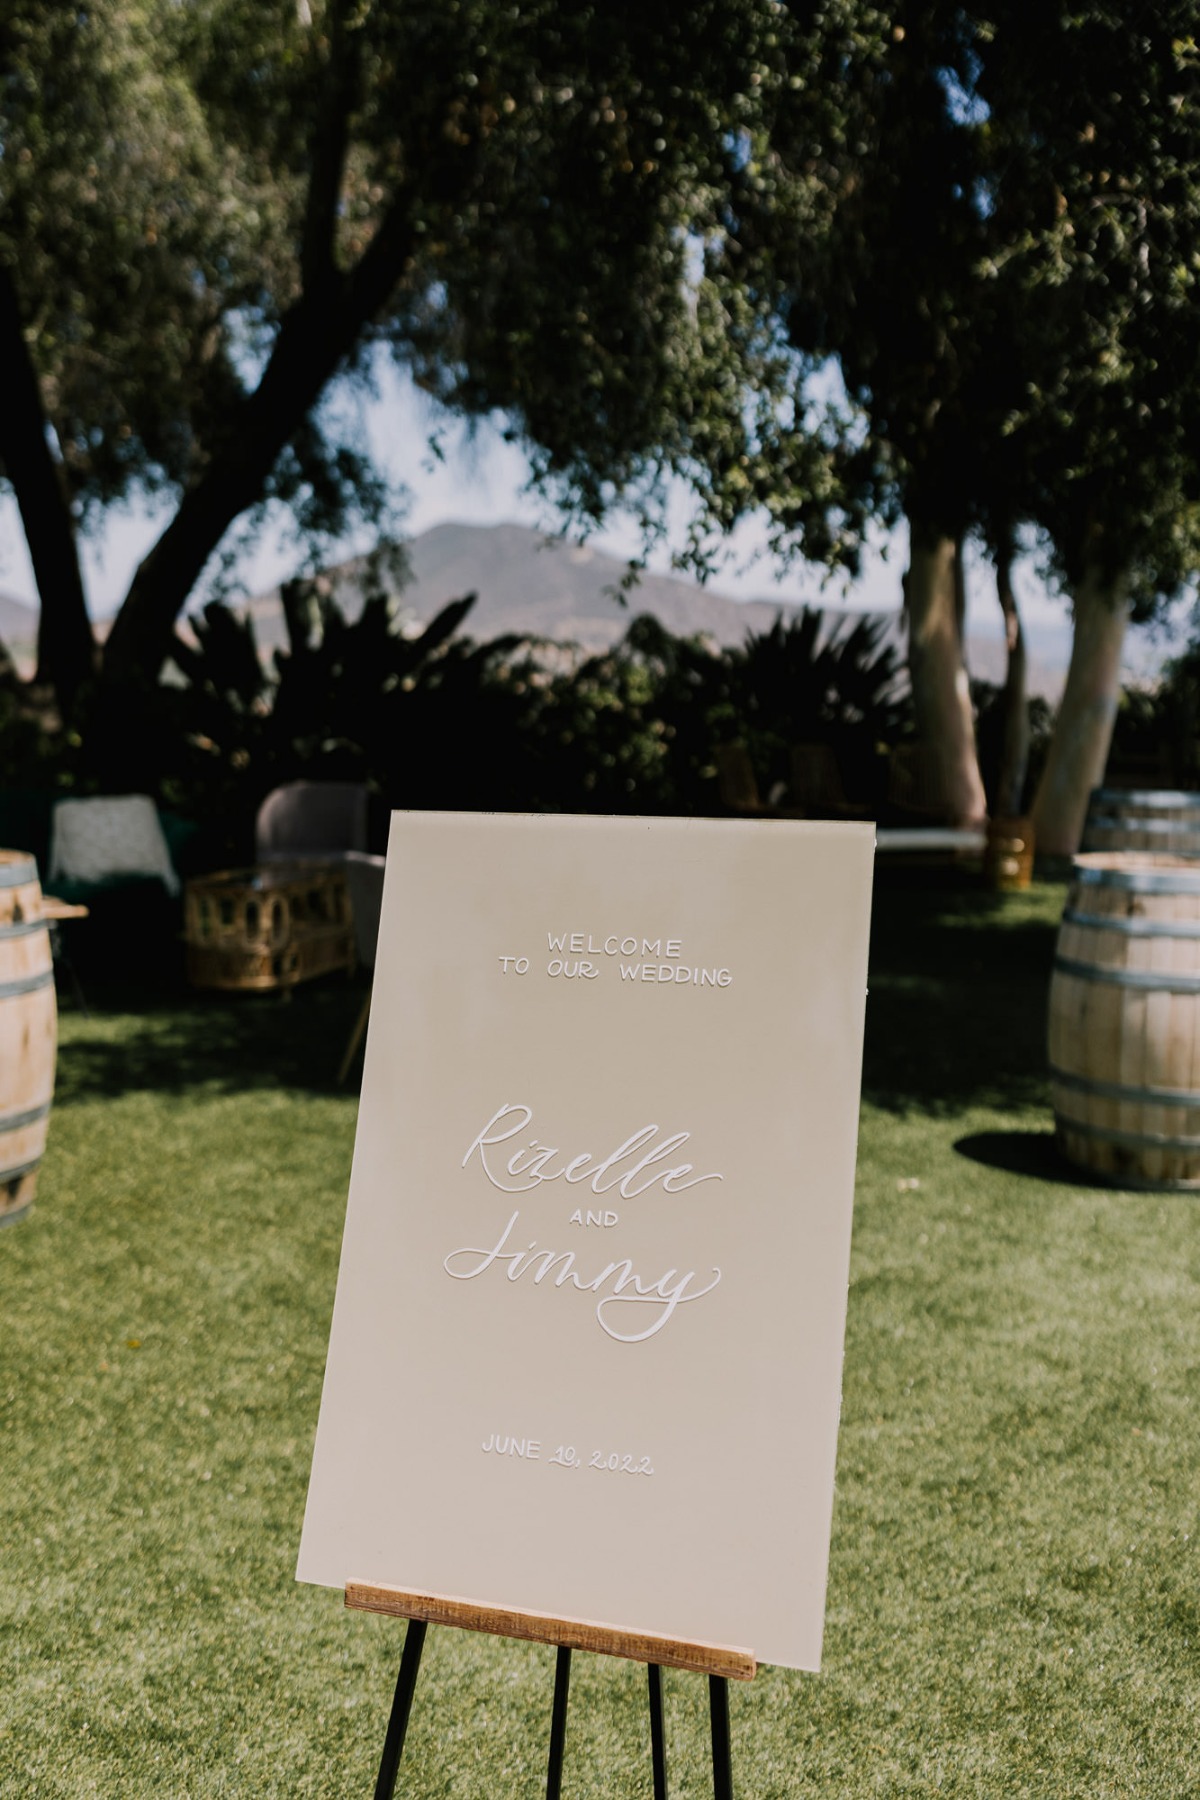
(211, 215)
(863, 242)
(1094, 142)
(999, 247)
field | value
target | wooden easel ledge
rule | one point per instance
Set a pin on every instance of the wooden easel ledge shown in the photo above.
(544, 1628)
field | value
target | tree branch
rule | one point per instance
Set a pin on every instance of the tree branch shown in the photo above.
(316, 336)
(66, 651)
(330, 139)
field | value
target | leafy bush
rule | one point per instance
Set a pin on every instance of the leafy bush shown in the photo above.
(436, 720)
(989, 703)
(433, 719)
(332, 706)
(791, 685)
(1155, 741)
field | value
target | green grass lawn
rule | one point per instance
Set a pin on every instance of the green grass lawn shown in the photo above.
(1014, 1602)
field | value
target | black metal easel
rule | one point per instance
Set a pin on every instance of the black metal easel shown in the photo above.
(718, 1697)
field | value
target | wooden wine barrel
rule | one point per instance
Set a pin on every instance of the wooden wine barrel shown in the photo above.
(1157, 821)
(28, 1032)
(1124, 1035)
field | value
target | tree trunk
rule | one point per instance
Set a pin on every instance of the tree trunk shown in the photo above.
(941, 695)
(960, 590)
(1014, 749)
(66, 649)
(235, 478)
(1083, 729)
(314, 339)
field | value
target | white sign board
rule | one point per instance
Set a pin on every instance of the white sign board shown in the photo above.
(586, 1348)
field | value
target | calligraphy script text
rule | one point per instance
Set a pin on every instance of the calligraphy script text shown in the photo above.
(532, 1164)
(668, 1292)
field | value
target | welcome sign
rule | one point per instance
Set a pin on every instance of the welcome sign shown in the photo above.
(586, 1348)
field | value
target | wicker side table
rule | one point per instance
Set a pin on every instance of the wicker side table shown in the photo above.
(267, 928)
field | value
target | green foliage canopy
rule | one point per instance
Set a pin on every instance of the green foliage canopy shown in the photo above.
(209, 214)
(1092, 146)
(998, 242)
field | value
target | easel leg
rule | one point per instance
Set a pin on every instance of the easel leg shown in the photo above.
(718, 1706)
(393, 1743)
(658, 1736)
(558, 1723)
(356, 1038)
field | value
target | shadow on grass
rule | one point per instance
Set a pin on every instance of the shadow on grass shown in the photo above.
(1033, 1153)
(173, 1040)
(959, 983)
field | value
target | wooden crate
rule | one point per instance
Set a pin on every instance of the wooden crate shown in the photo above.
(269, 927)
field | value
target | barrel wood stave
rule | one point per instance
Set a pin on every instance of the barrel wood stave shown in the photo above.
(28, 1033)
(1151, 821)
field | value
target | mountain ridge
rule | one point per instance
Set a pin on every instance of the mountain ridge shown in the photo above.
(532, 584)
